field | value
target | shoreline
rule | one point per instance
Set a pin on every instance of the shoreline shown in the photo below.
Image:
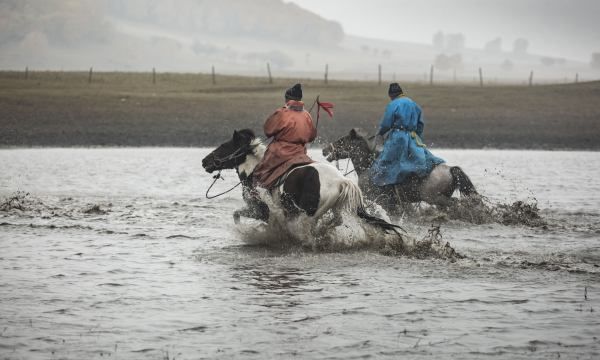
(187, 110)
(175, 147)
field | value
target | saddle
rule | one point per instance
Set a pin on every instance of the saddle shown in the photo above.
(283, 177)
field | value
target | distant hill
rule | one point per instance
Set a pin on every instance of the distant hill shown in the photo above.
(64, 22)
(178, 35)
(263, 19)
(239, 37)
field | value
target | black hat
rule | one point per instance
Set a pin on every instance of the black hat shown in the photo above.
(395, 90)
(294, 93)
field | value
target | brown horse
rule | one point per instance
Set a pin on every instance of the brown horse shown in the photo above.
(436, 188)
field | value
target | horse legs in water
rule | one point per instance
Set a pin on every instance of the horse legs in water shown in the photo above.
(437, 188)
(462, 182)
(259, 213)
(256, 209)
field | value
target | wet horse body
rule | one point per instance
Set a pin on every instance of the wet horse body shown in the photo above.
(311, 189)
(437, 188)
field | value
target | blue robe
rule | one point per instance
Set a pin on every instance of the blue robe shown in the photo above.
(403, 153)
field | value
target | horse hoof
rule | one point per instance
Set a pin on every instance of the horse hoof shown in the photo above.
(236, 219)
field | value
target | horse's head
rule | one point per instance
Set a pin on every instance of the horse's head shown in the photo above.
(230, 154)
(355, 143)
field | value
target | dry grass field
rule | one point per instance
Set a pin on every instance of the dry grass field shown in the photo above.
(127, 109)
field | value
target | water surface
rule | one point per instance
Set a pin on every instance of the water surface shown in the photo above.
(116, 253)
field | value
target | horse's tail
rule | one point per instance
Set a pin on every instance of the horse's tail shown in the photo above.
(351, 199)
(378, 222)
(462, 182)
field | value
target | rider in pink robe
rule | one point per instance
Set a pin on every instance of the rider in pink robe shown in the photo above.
(292, 128)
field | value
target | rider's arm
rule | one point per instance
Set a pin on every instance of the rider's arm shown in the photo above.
(274, 124)
(420, 123)
(313, 134)
(388, 119)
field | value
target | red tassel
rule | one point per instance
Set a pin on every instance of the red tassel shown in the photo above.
(327, 107)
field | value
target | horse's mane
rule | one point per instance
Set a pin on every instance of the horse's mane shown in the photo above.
(360, 132)
(247, 133)
(254, 140)
(369, 140)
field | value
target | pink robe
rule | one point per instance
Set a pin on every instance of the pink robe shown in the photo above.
(292, 128)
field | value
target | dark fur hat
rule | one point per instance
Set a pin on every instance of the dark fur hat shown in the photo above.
(395, 90)
(294, 93)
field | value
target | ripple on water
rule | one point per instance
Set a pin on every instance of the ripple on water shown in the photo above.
(523, 291)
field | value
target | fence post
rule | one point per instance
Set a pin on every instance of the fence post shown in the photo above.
(454, 76)
(26, 72)
(531, 78)
(269, 72)
(326, 74)
(576, 78)
(90, 75)
(379, 76)
(154, 76)
(431, 76)
(214, 76)
(480, 77)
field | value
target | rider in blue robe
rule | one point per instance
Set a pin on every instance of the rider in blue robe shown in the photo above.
(404, 154)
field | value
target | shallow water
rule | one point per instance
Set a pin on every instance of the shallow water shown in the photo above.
(116, 253)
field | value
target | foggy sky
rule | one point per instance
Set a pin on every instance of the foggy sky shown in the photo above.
(240, 36)
(562, 28)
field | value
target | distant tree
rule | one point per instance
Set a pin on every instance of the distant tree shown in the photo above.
(438, 41)
(520, 47)
(277, 59)
(387, 54)
(595, 63)
(365, 48)
(548, 61)
(507, 65)
(201, 48)
(446, 62)
(494, 47)
(455, 43)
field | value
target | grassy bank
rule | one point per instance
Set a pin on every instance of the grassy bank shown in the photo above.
(127, 109)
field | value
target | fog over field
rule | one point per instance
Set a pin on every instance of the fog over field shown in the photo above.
(507, 39)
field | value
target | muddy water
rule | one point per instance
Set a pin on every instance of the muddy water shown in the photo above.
(115, 253)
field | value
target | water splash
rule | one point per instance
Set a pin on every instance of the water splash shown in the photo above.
(352, 234)
(24, 203)
(480, 210)
(20, 201)
(96, 209)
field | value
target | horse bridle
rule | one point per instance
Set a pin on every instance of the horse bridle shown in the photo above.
(330, 145)
(243, 151)
(332, 148)
(217, 162)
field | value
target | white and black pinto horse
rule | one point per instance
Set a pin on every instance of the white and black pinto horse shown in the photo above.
(312, 189)
(436, 188)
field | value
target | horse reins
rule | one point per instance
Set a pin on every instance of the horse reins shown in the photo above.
(233, 156)
(217, 177)
(337, 163)
(238, 153)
